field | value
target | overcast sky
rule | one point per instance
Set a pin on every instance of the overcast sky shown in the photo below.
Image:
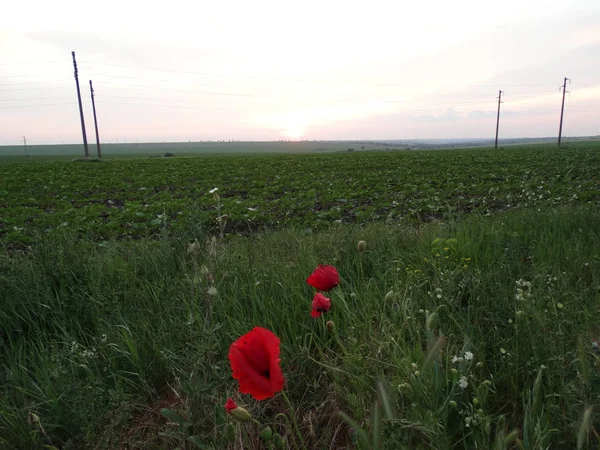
(270, 70)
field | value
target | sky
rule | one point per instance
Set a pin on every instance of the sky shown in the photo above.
(316, 70)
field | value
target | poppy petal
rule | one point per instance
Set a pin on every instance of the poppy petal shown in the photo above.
(255, 363)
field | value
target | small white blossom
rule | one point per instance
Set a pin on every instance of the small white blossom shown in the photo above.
(462, 382)
(468, 356)
(213, 190)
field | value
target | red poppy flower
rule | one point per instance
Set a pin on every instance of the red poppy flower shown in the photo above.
(324, 278)
(254, 359)
(230, 405)
(320, 304)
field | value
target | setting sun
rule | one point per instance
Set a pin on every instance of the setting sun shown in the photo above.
(294, 132)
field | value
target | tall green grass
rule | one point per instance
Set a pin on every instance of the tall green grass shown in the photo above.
(96, 339)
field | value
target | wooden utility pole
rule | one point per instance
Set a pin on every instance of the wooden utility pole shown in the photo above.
(85, 144)
(95, 120)
(562, 108)
(498, 118)
(25, 145)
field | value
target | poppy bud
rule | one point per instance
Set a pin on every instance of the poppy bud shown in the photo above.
(194, 248)
(330, 325)
(278, 441)
(239, 414)
(266, 434)
(389, 296)
(452, 403)
(203, 270)
(33, 419)
(361, 246)
(212, 291)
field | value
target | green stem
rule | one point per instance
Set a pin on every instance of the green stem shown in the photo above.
(294, 421)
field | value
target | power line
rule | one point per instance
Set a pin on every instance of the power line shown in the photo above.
(31, 82)
(35, 98)
(303, 80)
(42, 104)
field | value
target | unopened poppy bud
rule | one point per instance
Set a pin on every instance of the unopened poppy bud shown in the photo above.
(330, 325)
(203, 270)
(212, 291)
(266, 434)
(452, 404)
(389, 296)
(240, 414)
(361, 246)
(33, 419)
(475, 401)
(278, 441)
(194, 248)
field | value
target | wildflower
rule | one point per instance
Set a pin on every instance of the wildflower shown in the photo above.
(468, 356)
(213, 190)
(212, 291)
(324, 278)
(230, 405)
(456, 359)
(462, 382)
(320, 304)
(361, 246)
(254, 359)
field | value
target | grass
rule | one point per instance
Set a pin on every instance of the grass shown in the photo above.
(96, 339)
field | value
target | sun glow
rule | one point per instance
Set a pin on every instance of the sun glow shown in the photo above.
(294, 132)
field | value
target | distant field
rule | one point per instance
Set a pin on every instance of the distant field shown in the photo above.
(188, 148)
(16, 153)
(143, 196)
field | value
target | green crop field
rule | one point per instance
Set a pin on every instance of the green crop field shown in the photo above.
(468, 318)
(143, 197)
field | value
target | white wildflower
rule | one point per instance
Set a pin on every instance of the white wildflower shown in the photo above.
(462, 382)
(468, 356)
(213, 190)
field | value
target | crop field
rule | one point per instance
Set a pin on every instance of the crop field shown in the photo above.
(177, 303)
(140, 197)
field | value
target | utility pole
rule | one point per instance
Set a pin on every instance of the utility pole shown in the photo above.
(85, 144)
(95, 120)
(498, 118)
(562, 109)
(25, 145)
